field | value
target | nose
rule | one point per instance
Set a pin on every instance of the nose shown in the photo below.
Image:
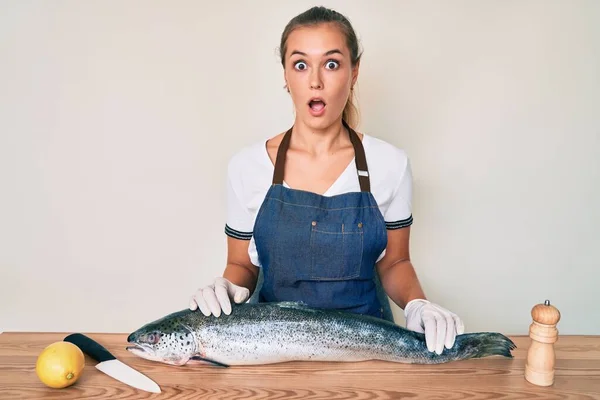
(130, 337)
(315, 80)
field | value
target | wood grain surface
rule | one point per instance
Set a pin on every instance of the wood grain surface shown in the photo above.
(577, 376)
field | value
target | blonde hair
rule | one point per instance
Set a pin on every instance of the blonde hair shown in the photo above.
(351, 113)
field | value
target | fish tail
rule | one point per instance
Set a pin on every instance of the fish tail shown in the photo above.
(483, 344)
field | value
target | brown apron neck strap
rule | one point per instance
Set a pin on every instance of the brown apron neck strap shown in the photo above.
(280, 160)
(359, 157)
(360, 160)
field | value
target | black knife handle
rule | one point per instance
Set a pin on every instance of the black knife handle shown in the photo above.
(90, 347)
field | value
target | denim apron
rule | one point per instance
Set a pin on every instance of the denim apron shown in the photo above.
(321, 250)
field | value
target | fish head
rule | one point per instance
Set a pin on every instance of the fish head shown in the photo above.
(168, 340)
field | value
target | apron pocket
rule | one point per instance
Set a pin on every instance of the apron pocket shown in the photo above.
(336, 250)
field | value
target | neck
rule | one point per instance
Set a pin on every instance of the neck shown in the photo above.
(319, 142)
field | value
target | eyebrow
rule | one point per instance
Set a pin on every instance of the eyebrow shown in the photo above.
(330, 52)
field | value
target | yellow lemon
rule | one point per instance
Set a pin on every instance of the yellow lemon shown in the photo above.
(60, 364)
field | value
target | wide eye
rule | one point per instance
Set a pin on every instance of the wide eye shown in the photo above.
(332, 64)
(300, 66)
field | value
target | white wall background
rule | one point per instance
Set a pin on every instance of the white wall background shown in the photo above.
(117, 120)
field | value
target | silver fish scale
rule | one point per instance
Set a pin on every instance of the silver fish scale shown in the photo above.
(287, 332)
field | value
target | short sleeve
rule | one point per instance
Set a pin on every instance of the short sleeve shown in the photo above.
(239, 222)
(399, 212)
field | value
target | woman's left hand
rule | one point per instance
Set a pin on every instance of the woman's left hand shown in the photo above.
(439, 325)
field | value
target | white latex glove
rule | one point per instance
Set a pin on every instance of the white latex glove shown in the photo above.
(439, 325)
(217, 297)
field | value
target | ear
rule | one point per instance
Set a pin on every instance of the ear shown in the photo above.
(355, 73)
(285, 86)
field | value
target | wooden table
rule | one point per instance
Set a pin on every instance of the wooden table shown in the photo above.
(577, 376)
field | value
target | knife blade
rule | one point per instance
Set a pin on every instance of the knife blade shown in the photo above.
(109, 364)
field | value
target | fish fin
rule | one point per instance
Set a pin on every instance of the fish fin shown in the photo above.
(208, 360)
(484, 344)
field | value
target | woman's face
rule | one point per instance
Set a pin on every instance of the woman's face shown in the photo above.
(319, 74)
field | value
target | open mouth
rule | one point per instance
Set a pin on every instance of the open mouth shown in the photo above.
(316, 106)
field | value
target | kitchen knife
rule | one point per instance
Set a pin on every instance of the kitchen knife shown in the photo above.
(109, 364)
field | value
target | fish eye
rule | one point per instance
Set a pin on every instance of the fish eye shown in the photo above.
(153, 338)
(296, 65)
(330, 62)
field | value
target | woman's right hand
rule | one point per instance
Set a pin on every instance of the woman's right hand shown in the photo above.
(217, 297)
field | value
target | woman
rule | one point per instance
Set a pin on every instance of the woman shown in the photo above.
(323, 224)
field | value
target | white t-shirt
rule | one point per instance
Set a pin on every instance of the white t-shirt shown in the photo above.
(250, 174)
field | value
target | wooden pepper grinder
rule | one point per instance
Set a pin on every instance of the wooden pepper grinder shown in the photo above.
(539, 368)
